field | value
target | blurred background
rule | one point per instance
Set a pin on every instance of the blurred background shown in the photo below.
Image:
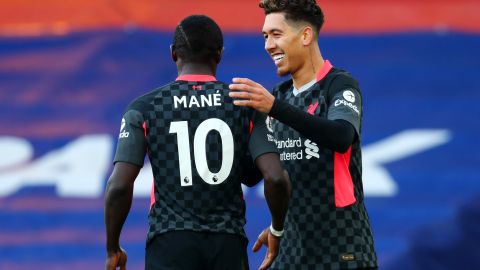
(69, 68)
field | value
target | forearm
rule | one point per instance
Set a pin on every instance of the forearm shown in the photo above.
(118, 200)
(276, 187)
(277, 195)
(337, 135)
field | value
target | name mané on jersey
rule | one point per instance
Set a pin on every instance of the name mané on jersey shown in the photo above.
(184, 101)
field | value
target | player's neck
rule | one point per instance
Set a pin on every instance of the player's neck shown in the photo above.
(310, 68)
(194, 68)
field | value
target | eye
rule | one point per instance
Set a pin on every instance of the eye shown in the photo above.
(277, 34)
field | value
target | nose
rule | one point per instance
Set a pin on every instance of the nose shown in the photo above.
(269, 44)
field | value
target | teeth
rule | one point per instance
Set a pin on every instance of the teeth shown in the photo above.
(278, 57)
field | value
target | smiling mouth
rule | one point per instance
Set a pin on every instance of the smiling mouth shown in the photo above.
(278, 58)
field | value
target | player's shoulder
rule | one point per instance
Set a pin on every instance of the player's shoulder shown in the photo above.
(145, 102)
(339, 77)
(339, 80)
(283, 87)
(220, 83)
(225, 90)
(216, 85)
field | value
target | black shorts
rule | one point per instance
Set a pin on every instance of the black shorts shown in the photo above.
(189, 250)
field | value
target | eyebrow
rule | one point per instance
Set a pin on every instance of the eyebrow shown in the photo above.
(272, 30)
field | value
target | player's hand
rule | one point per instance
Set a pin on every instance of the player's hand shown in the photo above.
(272, 243)
(251, 94)
(116, 259)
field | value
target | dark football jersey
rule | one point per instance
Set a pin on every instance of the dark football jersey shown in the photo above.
(199, 145)
(327, 226)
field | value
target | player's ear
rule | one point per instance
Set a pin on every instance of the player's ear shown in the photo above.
(173, 53)
(219, 55)
(308, 36)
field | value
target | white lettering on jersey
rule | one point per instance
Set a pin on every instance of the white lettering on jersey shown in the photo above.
(193, 102)
(179, 101)
(270, 138)
(311, 149)
(197, 101)
(289, 143)
(339, 102)
(123, 133)
(206, 99)
(291, 155)
(269, 123)
(217, 99)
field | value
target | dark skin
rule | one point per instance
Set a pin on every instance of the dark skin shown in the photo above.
(277, 191)
(119, 191)
(118, 199)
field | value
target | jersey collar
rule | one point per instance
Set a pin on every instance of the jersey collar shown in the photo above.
(303, 88)
(327, 66)
(196, 78)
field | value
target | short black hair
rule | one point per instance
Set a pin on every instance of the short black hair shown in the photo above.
(296, 10)
(197, 39)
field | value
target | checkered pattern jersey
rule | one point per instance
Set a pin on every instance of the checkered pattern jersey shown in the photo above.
(318, 234)
(182, 203)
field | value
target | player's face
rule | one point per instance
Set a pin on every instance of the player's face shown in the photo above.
(283, 44)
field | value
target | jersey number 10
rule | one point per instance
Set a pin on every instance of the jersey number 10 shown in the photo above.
(183, 143)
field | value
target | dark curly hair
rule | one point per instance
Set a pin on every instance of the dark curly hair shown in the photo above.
(296, 11)
(197, 39)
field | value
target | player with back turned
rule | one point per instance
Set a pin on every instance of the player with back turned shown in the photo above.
(200, 147)
(316, 120)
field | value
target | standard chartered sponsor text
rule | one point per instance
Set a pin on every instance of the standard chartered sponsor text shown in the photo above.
(290, 143)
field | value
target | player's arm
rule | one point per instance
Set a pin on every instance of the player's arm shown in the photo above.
(118, 199)
(129, 158)
(337, 132)
(277, 192)
(251, 174)
(277, 187)
(267, 160)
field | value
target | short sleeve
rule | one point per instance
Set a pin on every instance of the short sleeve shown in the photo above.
(345, 103)
(261, 137)
(132, 145)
